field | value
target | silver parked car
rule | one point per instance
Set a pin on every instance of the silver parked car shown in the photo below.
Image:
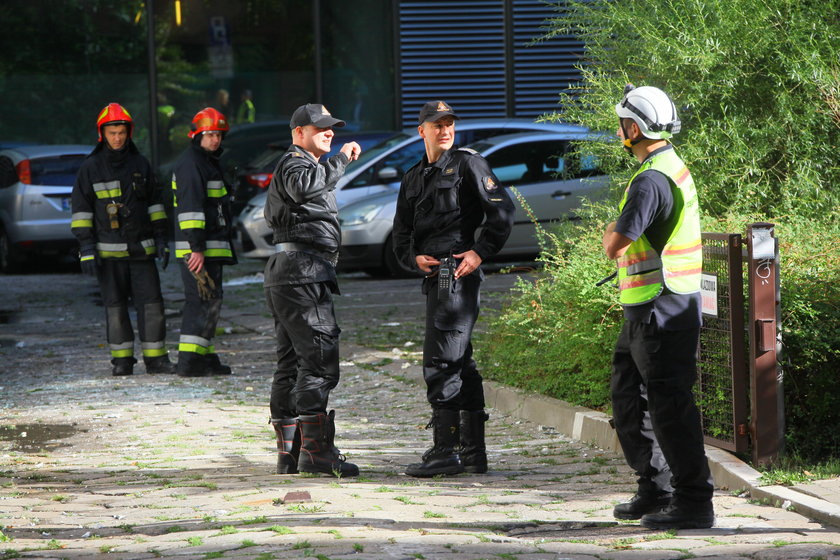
(35, 187)
(379, 170)
(553, 178)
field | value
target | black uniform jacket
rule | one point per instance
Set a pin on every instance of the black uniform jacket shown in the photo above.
(126, 183)
(440, 207)
(301, 209)
(202, 206)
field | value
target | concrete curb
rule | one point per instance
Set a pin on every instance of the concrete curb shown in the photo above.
(592, 427)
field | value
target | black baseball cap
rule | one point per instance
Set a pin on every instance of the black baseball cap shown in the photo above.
(315, 114)
(433, 111)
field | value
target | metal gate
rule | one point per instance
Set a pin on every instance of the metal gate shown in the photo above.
(739, 390)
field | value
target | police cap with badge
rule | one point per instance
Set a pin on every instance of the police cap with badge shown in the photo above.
(314, 114)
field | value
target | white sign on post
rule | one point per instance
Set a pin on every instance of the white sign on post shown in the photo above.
(708, 294)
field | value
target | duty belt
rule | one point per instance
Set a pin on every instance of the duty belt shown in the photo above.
(332, 258)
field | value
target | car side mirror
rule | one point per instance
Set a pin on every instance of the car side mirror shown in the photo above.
(388, 174)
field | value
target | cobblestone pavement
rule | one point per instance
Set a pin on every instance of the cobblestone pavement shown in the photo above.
(95, 466)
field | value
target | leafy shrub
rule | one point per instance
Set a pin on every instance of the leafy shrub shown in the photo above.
(557, 333)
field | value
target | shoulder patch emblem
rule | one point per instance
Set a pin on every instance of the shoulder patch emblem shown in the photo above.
(468, 150)
(490, 184)
(296, 154)
(448, 171)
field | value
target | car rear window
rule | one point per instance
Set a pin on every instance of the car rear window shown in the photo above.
(55, 170)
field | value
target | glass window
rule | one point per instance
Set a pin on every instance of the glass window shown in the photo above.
(529, 162)
(55, 170)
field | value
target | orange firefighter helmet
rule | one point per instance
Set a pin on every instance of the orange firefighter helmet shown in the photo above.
(208, 119)
(114, 113)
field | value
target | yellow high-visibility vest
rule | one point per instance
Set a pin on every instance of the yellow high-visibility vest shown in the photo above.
(641, 270)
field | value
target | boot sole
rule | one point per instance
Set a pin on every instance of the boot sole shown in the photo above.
(686, 524)
(437, 472)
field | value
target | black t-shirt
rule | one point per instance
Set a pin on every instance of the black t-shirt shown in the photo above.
(649, 210)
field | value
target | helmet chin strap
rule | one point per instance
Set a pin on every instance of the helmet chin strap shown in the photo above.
(628, 142)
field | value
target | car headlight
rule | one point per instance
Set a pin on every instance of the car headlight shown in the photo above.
(359, 214)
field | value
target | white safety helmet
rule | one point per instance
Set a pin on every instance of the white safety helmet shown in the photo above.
(652, 110)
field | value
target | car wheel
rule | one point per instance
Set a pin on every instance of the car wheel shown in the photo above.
(8, 258)
(392, 265)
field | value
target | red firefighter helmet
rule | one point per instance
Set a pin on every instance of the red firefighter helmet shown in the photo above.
(114, 113)
(206, 120)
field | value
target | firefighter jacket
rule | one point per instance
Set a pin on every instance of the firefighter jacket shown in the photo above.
(117, 207)
(201, 206)
(440, 207)
(641, 270)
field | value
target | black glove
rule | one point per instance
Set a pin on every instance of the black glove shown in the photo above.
(87, 260)
(162, 252)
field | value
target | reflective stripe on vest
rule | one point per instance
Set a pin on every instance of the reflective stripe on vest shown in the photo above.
(216, 189)
(191, 220)
(112, 250)
(641, 270)
(111, 189)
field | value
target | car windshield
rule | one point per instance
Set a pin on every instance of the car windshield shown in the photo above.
(375, 151)
(55, 170)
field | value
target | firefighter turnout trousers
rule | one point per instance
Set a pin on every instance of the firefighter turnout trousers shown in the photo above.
(200, 316)
(307, 348)
(121, 279)
(451, 374)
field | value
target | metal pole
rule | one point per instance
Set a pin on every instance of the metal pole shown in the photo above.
(153, 115)
(764, 378)
(316, 24)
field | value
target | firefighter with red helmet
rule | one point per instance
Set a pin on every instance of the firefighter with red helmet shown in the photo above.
(120, 222)
(202, 242)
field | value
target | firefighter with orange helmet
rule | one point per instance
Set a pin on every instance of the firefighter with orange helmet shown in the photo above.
(202, 242)
(120, 222)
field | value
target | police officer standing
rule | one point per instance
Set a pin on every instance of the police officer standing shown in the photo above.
(657, 245)
(202, 242)
(299, 282)
(119, 220)
(442, 201)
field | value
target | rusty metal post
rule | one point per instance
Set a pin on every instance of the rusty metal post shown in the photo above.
(765, 383)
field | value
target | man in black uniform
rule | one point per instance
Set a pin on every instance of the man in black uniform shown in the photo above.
(202, 242)
(120, 222)
(299, 282)
(442, 201)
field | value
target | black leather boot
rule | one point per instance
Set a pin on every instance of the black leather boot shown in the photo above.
(159, 364)
(191, 364)
(681, 516)
(473, 451)
(123, 366)
(318, 453)
(215, 366)
(442, 458)
(641, 504)
(288, 444)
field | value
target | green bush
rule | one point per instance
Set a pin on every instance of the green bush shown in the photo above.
(557, 333)
(760, 102)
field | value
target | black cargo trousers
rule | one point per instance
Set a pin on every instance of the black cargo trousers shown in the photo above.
(451, 374)
(665, 362)
(307, 336)
(121, 280)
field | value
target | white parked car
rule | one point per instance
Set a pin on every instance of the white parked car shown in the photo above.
(552, 177)
(379, 170)
(35, 186)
